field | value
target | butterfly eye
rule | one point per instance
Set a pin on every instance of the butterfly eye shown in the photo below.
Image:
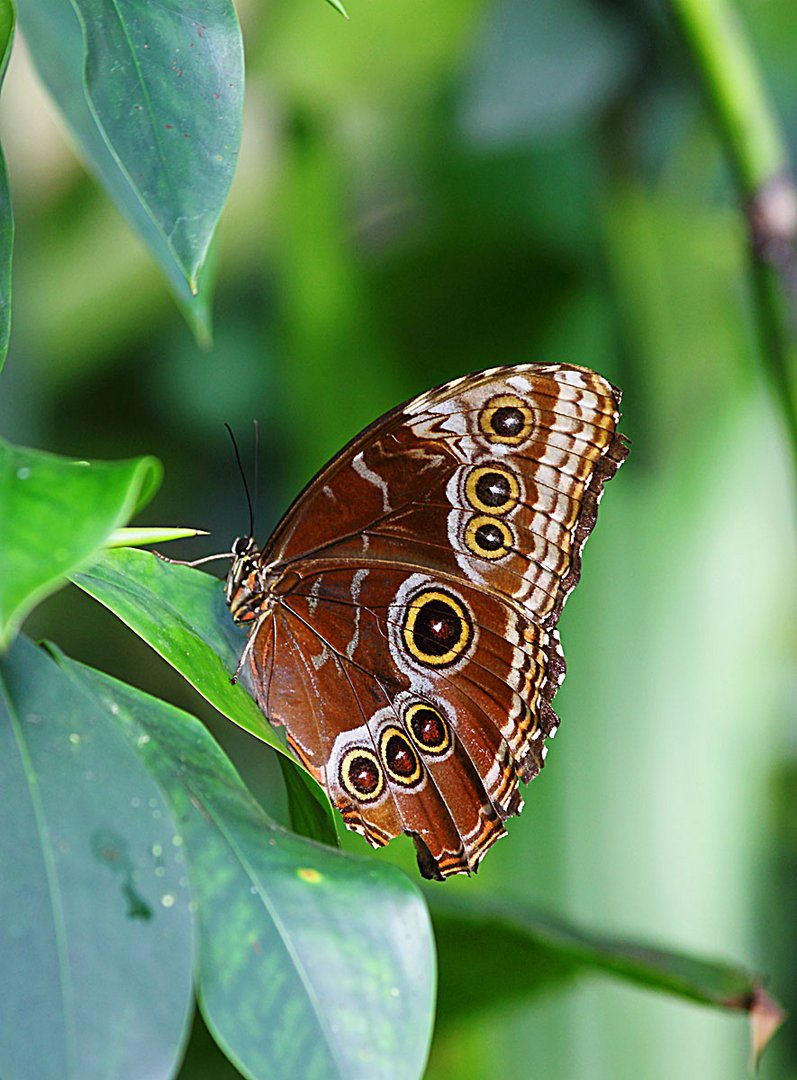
(241, 545)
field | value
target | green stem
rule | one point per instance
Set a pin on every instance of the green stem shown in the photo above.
(757, 152)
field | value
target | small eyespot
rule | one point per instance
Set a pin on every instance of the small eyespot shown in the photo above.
(428, 727)
(506, 419)
(400, 757)
(488, 537)
(493, 490)
(361, 774)
(436, 628)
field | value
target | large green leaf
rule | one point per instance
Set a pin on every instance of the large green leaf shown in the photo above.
(542, 950)
(311, 963)
(54, 514)
(181, 613)
(54, 36)
(165, 83)
(7, 23)
(96, 947)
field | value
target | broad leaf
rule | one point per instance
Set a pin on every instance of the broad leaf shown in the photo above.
(94, 904)
(7, 22)
(181, 613)
(54, 36)
(547, 950)
(54, 514)
(165, 83)
(311, 963)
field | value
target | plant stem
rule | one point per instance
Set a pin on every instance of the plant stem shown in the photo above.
(757, 152)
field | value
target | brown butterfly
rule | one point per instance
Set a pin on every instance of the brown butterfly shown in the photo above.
(403, 614)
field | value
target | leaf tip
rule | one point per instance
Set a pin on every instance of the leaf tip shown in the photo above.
(766, 1016)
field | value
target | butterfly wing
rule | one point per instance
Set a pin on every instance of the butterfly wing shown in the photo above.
(412, 651)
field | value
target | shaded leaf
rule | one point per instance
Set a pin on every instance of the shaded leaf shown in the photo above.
(546, 949)
(7, 23)
(96, 910)
(311, 963)
(55, 39)
(55, 514)
(181, 614)
(165, 85)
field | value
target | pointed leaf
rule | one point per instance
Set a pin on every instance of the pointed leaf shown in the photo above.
(182, 615)
(94, 911)
(54, 514)
(547, 949)
(312, 963)
(165, 85)
(54, 36)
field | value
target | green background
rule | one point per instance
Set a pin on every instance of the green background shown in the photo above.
(425, 191)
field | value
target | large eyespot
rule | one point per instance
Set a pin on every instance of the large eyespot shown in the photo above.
(400, 757)
(436, 628)
(488, 537)
(361, 774)
(492, 490)
(506, 419)
(428, 727)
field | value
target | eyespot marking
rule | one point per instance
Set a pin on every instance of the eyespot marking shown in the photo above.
(506, 419)
(488, 537)
(428, 727)
(492, 489)
(400, 757)
(436, 628)
(361, 774)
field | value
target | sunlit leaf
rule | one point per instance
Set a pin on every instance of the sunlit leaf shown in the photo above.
(311, 963)
(139, 536)
(94, 904)
(181, 613)
(54, 514)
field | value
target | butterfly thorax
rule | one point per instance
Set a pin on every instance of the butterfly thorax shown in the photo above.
(254, 584)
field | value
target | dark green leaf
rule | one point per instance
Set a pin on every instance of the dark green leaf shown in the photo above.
(165, 85)
(312, 963)
(309, 806)
(55, 39)
(545, 949)
(181, 613)
(7, 23)
(55, 514)
(94, 904)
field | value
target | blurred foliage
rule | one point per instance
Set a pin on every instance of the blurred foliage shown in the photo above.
(414, 201)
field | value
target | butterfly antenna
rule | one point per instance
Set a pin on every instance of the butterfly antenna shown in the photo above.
(257, 464)
(243, 477)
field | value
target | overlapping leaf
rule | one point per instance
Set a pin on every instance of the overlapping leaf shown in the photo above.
(54, 514)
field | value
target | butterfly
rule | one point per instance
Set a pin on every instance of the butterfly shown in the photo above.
(402, 617)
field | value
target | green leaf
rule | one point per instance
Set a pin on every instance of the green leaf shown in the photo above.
(547, 950)
(182, 615)
(153, 534)
(94, 905)
(55, 514)
(7, 23)
(165, 83)
(336, 4)
(54, 36)
(311, 963)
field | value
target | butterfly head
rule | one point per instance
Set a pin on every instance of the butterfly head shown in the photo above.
(246, 589)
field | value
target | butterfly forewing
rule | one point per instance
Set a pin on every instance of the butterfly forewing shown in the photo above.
(407, 638)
